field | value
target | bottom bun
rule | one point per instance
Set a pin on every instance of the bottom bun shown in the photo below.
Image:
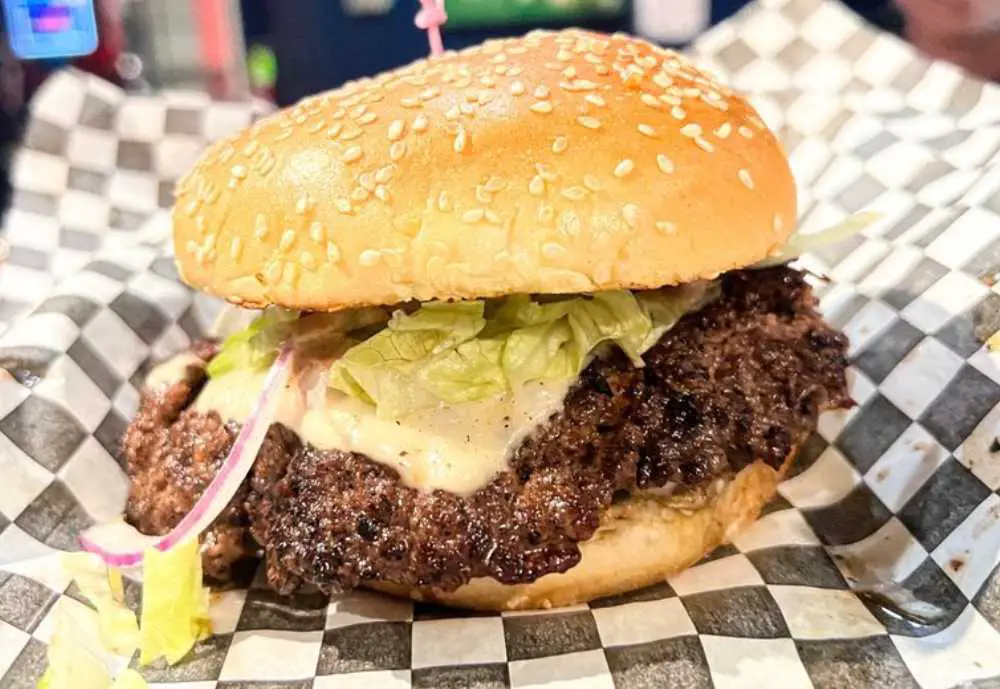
(641, 542)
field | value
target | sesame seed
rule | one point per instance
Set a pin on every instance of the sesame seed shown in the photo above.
(650, 100)
(482, 195)
(453, 113)
(560, 144)
(359, 111)
(745, 177)
(648, 61)
(344, 206)
(778, 224)
(384, 174)
(395, 130)
(666, 227)
(260, 226)
(669, 99)
(444, 202)
(473, 216)
(272, 272)
(756, 121)
(303, 204)
(537, 186)
(647, 130)
(630, 213)
(569, 72)
(352, 154)
(495, 184)
(307, 260)
(467, 108)
(595, 99)
(589, 122)
(283, 134)
(663, 81)
(564, 56)
(367, 180)
(574, 193)
(429, 93)
(488, 80)
(316, 232)
(624, 168)
(569, 223)
(369, 257)
(542, 92)
(501, 69)
(678, 112)
(584, 85)
(517, 88)
(546, 173)
(360, 194)
(542, 107)
(545, 213)
(691, 130)
(746, 132)
(553, 250)
(191, 246)
(603, 70)
(724, 130)
(351, 134)
(239, 171)
(460, 140)
(420, 123)
(333, 131)
(338, 113)
(397, 151)
(410, 102)
(664, 163)
(367, 118)
(332, 252)
(703, 144)
(300, 119)
(287, 239)
(492, 217)
(484, 97)
(251, 148)
(381, 193)
(591, 183)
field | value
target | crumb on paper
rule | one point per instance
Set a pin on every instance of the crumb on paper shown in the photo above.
(995, 445)
(882, 475)
(956, 564)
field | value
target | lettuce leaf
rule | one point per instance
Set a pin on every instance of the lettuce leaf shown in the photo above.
(255, 347)
(449, 353)
(174, 604)
(129, 679)
(799, 244)
(75, 658)
(102, 586)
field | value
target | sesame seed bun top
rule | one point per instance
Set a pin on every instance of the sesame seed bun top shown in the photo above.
(552, 163)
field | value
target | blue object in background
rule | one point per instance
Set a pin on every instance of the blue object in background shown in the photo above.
(50, 29)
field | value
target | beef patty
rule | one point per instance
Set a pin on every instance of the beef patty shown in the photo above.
(742, 380)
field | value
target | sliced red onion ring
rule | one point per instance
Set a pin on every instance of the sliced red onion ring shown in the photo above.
(121, 545)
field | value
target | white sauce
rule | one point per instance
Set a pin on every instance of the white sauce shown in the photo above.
(172, 371)
(457, 448)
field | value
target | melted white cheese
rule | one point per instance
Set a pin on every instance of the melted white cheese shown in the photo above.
(458, 448)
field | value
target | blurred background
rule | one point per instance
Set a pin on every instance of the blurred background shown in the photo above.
(281, 50)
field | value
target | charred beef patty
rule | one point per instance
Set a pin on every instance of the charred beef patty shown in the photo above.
(741, 380)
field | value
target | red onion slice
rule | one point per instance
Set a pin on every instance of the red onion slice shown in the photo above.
(121, 545)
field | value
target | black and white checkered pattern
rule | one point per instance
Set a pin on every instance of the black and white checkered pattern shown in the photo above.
(95, 168)
(902, 489)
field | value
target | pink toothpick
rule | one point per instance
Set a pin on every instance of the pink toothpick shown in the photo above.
(430, 18)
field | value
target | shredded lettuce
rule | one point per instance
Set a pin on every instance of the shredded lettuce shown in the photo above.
(256, 346)
(448, 353)
(799, 244)
(102, 586)
(75, 658)
(174, 604)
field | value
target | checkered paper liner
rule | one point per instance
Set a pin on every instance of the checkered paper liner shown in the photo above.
(903, 488)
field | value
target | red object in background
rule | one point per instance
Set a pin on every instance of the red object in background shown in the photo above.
(103, 62)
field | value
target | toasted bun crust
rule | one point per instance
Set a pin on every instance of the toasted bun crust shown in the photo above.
(640, 543)
(553, 163)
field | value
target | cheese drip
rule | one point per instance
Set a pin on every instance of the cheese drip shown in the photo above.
(458, 448)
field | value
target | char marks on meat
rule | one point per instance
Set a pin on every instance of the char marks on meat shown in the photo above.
(743, 379)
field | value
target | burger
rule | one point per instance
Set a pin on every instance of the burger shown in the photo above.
(519, 331)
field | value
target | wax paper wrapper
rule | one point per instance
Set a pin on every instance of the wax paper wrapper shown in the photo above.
(876, 565)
